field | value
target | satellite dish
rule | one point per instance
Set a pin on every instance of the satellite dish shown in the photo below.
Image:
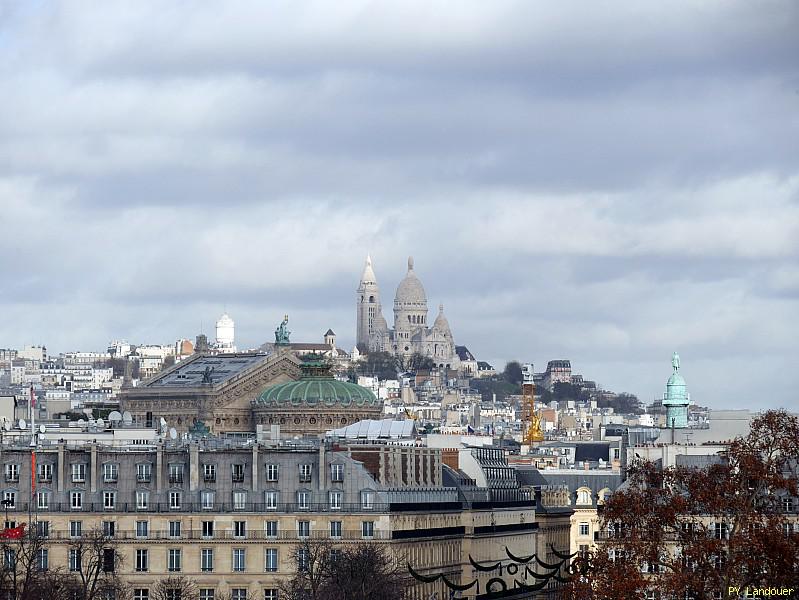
(42, 428)
(22, 424)
(7, 425)
(127, 417)
(173, 434)
(87, 411)
(115, 416)
(100, 423)
(81, 422)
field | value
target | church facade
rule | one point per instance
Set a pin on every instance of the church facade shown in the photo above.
(411, 332)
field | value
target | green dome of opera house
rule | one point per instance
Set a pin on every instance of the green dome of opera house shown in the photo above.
(315, 403)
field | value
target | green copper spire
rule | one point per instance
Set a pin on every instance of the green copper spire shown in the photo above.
(676, 399)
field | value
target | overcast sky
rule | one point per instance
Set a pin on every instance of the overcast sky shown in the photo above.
(605, 182)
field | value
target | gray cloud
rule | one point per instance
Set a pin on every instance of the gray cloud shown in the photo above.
(605, 183)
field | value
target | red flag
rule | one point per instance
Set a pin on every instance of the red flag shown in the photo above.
(13, 533)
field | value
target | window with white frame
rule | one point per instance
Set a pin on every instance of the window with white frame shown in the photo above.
(43, 499)
(335, 529)
(76, 500)
(109, 528)
(209, 473)
(368, 529)
(305, 473)
(239, 500)
(271, 500)
(206, 594)
(79, 473)
(142, 500)
(270, 560)
(237, 473)
(270, 529)
(141, 594)
(207, 560)
(336, 473)
(270, 594)
(303, 500)
(584, 529)
(109, 500)
(208, 529)
(175, 473)
(110, 473)
(207, 499)
(142, 529)
(272, 471)
(238, 594)
(787, 504)
(303, 559)
(174, 529)
(335, 500)
(75, 528)
(239, 529)
(12, 473)
(10, 499)
(367, 499)
(43, 559)
(142, 560)
(174, 499)
(43, 529)
(45, 472)
(174, 557)
(720, 530)
(73, 558)
(144, 472)
(239, 560)
(303, 529)
(583, 496)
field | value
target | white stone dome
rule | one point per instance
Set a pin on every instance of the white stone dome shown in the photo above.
(410, 292)
(441, 324)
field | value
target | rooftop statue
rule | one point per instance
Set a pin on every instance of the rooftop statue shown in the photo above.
(675, 361)
(209, 370)
(282, 333)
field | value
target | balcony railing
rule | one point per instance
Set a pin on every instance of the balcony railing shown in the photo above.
(219, 507)
(251, 535)
(176, 479)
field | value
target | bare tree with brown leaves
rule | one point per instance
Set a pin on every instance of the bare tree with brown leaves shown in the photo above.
(695, 533)
(360, 571)
(175, 588)
(99, 562)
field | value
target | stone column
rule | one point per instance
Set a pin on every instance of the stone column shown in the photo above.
(60, 468)
(159, 468)
(322, 479)
(254, 483)
(194, 466)
(93, 468)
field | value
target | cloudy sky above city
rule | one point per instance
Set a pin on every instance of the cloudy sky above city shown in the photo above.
(605, 182)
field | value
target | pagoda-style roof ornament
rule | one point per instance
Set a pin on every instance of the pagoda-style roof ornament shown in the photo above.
(282, 333)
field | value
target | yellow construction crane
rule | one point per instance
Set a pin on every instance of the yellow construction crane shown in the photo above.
(532, 433)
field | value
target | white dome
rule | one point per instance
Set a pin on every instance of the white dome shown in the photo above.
(441, 323)
(410, 292)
